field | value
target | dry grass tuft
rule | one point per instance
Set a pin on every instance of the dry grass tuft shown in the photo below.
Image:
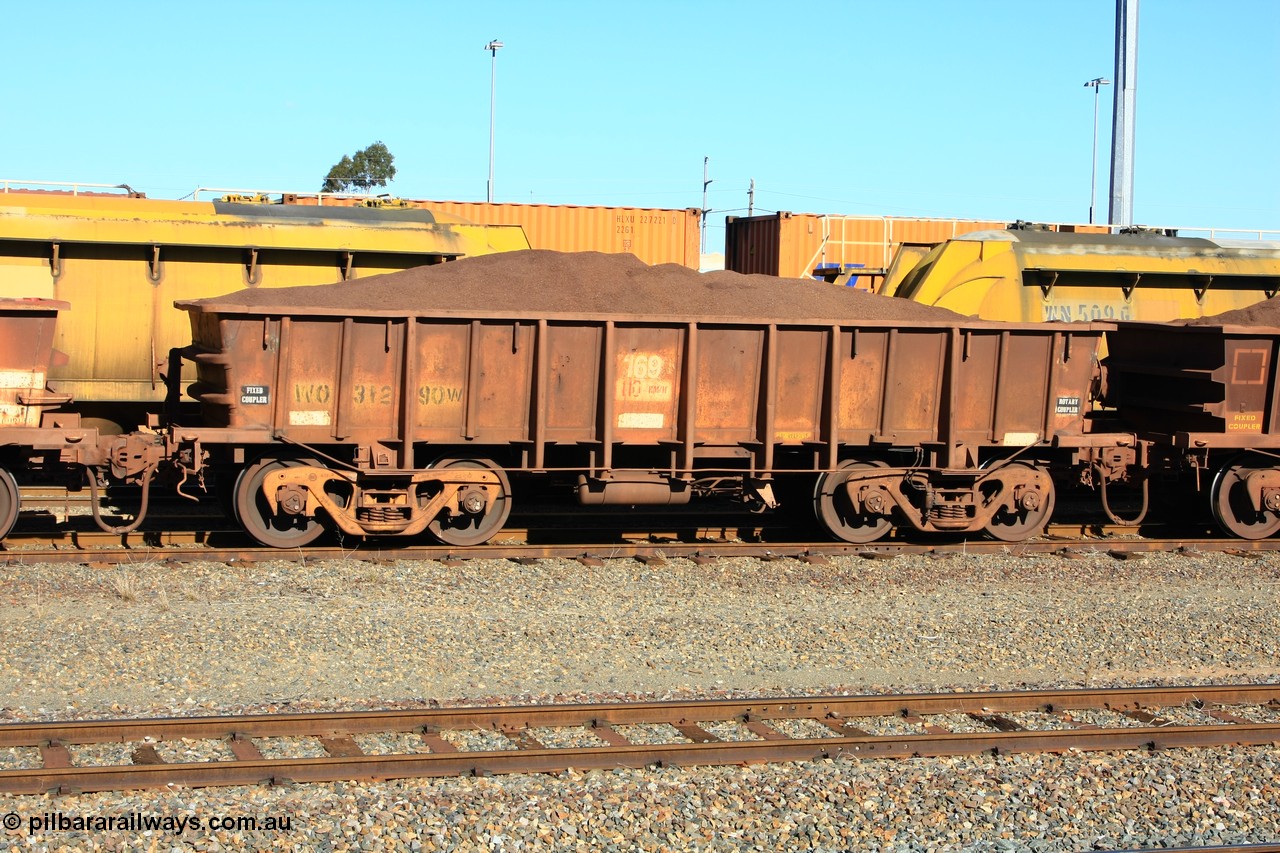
(125, 585)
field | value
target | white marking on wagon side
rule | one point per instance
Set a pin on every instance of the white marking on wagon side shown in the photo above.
(312, 418)
(641, 420)
(21, 378)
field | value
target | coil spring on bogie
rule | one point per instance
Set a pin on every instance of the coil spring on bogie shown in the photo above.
(948, 512)
(382, 514)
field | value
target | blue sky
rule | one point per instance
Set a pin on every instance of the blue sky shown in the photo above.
(917, 107)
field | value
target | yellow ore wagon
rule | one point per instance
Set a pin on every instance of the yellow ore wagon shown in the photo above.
(1028, 275)
(122, 260)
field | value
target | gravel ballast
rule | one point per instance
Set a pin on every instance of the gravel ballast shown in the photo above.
(209, 638)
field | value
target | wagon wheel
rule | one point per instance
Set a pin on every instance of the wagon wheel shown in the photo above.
(484, 508)
(10, 501)
(836, 513)
(1232, 508)
(1030, 518)
(253, 511)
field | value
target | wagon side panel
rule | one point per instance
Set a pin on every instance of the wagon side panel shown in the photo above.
(499, 383)
(369, 380)
(1248, 377)
(863, 368)
(728, 384)
(310, 355)
(915, 364)
(646, 371)
(1204, 385)
(440, 387)
(571, 392)
(26, 350)
(801, 377)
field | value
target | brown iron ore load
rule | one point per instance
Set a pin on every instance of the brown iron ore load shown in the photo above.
(546, 282)
(1264, 313)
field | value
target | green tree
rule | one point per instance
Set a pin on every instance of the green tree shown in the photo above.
(371, 167)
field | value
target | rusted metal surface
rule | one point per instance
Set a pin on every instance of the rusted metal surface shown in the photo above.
(27, 328)
(1205, 386)
(695, 745)
(396, 424)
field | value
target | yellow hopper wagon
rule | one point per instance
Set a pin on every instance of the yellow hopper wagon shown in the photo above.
(121, 261)
(1027, 274)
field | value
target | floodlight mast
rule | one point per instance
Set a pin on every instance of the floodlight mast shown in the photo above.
(1096, 82)
(492, 47)
(1123, 112)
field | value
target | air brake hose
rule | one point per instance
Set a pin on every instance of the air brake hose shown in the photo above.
(142, 510)
(1106, 506)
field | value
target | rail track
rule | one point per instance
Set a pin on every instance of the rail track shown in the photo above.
(56, 529)
(552, 738)
(646, 548)
(1225, 848)
(654, 550)
(217, 541)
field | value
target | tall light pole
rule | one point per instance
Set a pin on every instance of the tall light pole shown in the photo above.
(706, 182)
(1124, 118)
(492, 47)
(1096, 83)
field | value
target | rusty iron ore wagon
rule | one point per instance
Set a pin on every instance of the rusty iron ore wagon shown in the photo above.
(392, 423)
(1205, 399)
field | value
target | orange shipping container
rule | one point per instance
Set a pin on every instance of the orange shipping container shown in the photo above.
(654, 235)
(793, 245)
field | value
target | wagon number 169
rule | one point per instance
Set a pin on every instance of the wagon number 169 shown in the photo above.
(639, 371)
(642, 365)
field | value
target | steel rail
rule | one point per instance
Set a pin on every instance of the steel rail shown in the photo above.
(203, 533)
(698, 746)
(1264, 847)
(699, 545)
